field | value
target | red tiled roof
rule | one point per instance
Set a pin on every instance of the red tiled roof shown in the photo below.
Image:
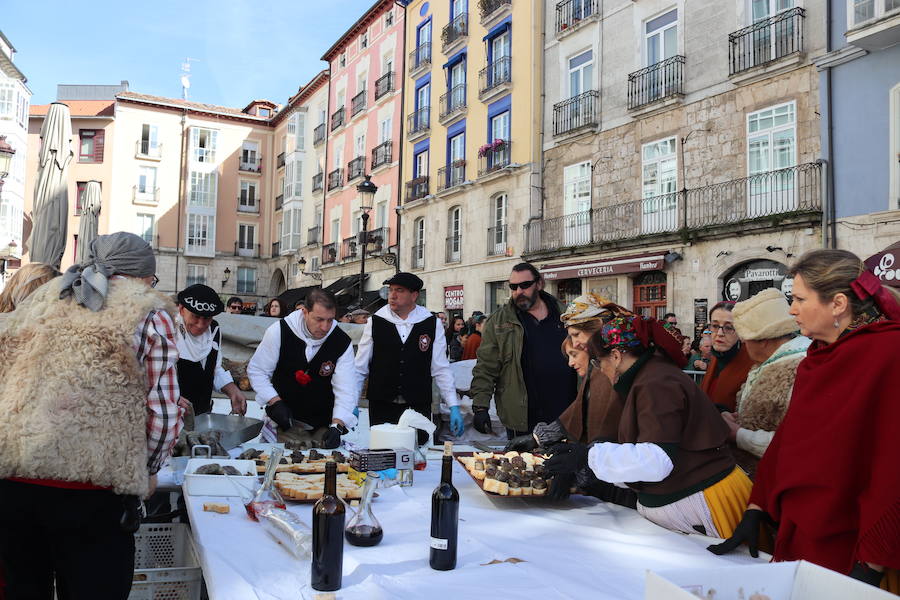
(78, 108)
(379, 7)
(198, 106)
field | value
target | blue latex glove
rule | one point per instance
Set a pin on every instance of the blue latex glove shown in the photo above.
(456, 421)
(356, 412)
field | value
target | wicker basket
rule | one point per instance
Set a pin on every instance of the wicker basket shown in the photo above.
(165, 563)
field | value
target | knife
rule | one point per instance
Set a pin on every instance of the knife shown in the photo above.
(484, 447)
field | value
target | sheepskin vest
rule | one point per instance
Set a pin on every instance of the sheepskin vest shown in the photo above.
(73, 396)
(763, 404)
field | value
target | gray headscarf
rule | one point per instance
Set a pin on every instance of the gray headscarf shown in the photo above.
(117, 253)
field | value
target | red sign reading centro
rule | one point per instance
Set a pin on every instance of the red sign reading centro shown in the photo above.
(454, 298)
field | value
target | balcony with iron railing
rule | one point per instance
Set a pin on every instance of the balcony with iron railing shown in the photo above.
(378, 240)
(493, 10)
(148, 151)
(454, 33)
(276, 249)
(570, 14)
(246, 250)
(381, 154)
(417, 188)
(356, 168)
(497, 240)
(250, 166)
(453, 103)
(766, 41)
(494, 157)
(495, 78)
(417, 258)
(279, 201)
(350, 248)
(280, 160)
(248, 204)
(337, 118)
(314, 235)
(661, 81)
(358, 103)
(319, 134)
(576, 113)
(765, 200)
(318, 181)
(329, 253)
(420, 59)
(335, 179)
(454, 249)
(384, 85)
(451, 175)
(418, 123)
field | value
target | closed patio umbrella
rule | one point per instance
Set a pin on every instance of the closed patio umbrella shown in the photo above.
(51, 194)
(89, 221)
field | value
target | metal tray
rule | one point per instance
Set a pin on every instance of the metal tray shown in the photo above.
(480, 483)
(235, 428)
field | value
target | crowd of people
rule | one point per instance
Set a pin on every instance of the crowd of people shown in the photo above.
(787, 443)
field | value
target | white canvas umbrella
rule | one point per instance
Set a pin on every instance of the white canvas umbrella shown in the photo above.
(51, 193)
(89, 221)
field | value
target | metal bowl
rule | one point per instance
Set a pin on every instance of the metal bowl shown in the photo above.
(235, 428)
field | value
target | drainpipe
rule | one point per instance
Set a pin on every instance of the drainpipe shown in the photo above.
(829, 205)
(325, 172)
(538, 173)
(181, 192)
(402, 75)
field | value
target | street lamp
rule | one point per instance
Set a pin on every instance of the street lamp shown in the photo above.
(366, 191)
(226, 275)
(6, 154)
(7, 254)
(302, 263)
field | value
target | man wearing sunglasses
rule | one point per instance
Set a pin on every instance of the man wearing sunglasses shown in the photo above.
(519, 361)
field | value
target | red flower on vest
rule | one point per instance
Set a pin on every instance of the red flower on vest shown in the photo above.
(302, 377)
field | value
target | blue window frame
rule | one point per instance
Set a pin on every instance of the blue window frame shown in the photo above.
(502, 109)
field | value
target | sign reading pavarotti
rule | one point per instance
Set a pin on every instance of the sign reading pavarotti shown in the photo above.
(454, 298)
(612, 266)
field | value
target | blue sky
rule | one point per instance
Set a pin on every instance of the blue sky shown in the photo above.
(244, 49)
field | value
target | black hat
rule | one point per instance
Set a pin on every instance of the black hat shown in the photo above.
(201, 300)
(407, 280)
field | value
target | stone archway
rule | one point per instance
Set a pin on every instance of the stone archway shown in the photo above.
(277, 286)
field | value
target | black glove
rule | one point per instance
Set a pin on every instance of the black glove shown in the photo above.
(332, 438)
(587, 482)
(747, 531)
(548, 434)
(569, 457)
(866, 574)
(280, 412)
(521, 443)
(561, 486)
(481, 420)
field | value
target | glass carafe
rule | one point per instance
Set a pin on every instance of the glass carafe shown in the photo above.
(364, 529)
(267, 495)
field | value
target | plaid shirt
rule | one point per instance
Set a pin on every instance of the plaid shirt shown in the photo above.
(154, 344)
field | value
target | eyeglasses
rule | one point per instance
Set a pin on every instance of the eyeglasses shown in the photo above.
(155, 281)
(236, 307)
(728, 329)
(524, 285)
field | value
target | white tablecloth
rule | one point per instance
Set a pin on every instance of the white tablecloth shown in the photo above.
(580, 548)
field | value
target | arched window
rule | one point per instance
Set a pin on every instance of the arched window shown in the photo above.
(454, 235)
(497, 229)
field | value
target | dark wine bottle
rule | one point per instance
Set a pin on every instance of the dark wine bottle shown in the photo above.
(328, 535)
(444, 517)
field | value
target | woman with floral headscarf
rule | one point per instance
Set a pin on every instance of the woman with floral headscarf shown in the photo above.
(672, 448)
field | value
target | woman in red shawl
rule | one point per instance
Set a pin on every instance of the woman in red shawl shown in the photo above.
(831, 477)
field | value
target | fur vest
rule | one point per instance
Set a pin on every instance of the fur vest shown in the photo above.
(73, 395)
(764, 399)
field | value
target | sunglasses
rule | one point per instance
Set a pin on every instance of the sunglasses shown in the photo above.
(236, 307)
(155, 281)
(524, 285)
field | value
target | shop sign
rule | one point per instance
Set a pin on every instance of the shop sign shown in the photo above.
(613, 266)
(748, 279)
(886, 265)
(454, 298)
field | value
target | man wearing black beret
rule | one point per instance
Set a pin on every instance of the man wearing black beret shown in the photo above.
(199, 356)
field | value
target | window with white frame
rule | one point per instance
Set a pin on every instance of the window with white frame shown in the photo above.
(248, 199)
(201, 234)
(288, 186)
(389, 18)
(581, 73)
(360, 146)
(298, 178)
(497, 232)
(661, 40)
(204, 188)
(577, 204)
(760, 10)
(22, 114)
(418, 258)
(420, 163)
(300, 140)
(771, 152)
(387, 63)
(290, 232)
(279, 229)
(149, 145)
(500, 126)
(385, 130)
(144, 227)
(246, 280)
(659, 184)
(454, 234)
(203, 144)
(364, 40)
(246, 239)
(196, 274)
(862, 11)
(335, 231)
(381, 215)
(342, 60)
(146, 185)
(249, 154)
(7, 100)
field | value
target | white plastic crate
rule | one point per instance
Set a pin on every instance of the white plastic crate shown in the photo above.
(165, 563)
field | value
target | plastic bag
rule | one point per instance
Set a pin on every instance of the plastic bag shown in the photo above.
(288, 530)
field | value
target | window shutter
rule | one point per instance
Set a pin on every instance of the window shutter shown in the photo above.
(98, 145)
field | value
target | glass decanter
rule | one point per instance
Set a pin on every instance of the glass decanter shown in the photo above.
(364, 529)
(267, 495)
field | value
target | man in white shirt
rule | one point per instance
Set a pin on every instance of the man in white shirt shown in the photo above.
(303, 375)
(402, 348)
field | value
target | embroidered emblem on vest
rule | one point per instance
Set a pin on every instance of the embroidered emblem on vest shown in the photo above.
(326, 369)
(424, 342)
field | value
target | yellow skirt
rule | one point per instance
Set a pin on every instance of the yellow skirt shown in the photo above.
(727, 501)
(891, 581)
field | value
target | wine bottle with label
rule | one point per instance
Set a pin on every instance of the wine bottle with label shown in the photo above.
(444, 517)
(328, 535)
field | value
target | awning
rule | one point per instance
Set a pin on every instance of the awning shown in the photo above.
(498, 29)
(289, 298)
(344, 285)
(598, 268)
(886, 265)
(458, 57)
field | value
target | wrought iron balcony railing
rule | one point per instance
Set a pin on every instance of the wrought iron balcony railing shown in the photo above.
(494, 75)
(496, 240)
(453, 101)
(454, 31)
(384, 85)
(454, 249)
(451, 175)
(417, 188)
(280, 160)
(580, 111)
(358, 103)
(570, 13)
(337, 118)
(418, 256)
(420, 57)
(279, 201)
(488, 8)
(317, 181)
(766, 41)
(329, 253)
(319, 134)
(494, 156)
(381, 154)
(314, 235)
(657, 82)
(335, 179)
(356, 168)
(419, 121)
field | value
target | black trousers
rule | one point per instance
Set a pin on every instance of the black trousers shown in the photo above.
(72, 535)
(389, 412)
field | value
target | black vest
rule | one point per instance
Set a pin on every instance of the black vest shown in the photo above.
(312, 403)
(399, 369)
(195, 380)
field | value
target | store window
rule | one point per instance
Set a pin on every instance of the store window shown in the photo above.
(497, 296)
(568, 289)
(747, 279)
(650, 294)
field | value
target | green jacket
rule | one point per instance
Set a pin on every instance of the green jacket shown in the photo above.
(498, 372)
